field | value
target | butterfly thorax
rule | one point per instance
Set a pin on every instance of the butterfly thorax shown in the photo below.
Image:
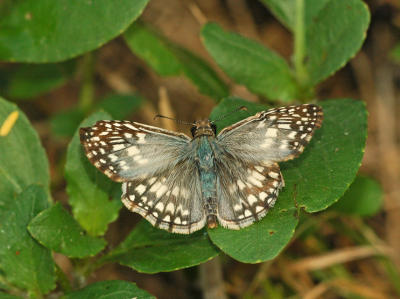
(206, 166)
(203, 128)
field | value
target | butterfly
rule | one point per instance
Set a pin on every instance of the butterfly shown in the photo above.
(180, 184)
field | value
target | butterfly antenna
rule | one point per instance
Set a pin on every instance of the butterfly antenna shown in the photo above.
(182, 122)
(241, 108)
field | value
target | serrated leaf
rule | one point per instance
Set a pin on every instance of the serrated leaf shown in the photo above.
(169, 59)
(249, 63)
(120, 105)
(26, 264)
(56, 229)
(50, 31)
(110, 289)
(334, 36)
(31, 80)
(314, 181)
(151, 250)
(23, 160)
(90, 190)
(363, 198)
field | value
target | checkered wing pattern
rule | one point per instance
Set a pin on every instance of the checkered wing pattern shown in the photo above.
(156, 166)
(249, 177)
(246, 192)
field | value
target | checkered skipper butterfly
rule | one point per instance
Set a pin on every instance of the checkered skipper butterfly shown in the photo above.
(180, 184)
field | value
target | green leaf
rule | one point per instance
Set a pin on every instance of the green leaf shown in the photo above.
(120, 105)
(169, 59)
(89, 190)
(7, 296)
(249, 63)
(50, 31)
(285, 10)
(314, 181)
(335, 35)
(110, 289)
(23, 160)
(56, 229)
(151, 250)
(31, 80)
(363, 198)
(64, 123)
(395, 53)
(26, 264)
(335, 31)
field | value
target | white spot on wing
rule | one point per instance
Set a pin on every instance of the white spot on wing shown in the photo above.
(251, 199)
(140, 189)
(161, 191)
(159, 206)
(259, 168)
(271, 132)
(118, 147)
(241, 184)
(141, 137)
(273, 174)
(284, 126)
(237, 207)
(129, 126)
(133, 150)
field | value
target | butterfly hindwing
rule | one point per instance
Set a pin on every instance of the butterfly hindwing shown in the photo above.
(245, 192)
(126, 150)
(171, 200)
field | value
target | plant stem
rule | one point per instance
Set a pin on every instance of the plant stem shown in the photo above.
(211, 279)
(299, 45)
(86, 96)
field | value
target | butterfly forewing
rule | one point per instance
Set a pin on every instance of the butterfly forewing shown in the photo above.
(126, 150)
(274, 135)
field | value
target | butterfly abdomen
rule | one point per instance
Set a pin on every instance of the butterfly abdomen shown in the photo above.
(208, 178)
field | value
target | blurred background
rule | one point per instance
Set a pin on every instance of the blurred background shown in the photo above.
(333, 254)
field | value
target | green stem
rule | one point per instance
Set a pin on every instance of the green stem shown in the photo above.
(86, 97)
(299, 45)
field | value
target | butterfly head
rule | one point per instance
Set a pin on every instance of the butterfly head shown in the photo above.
(203, 128)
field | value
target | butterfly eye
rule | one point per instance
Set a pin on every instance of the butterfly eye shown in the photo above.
(214, 128)
(193, 130)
